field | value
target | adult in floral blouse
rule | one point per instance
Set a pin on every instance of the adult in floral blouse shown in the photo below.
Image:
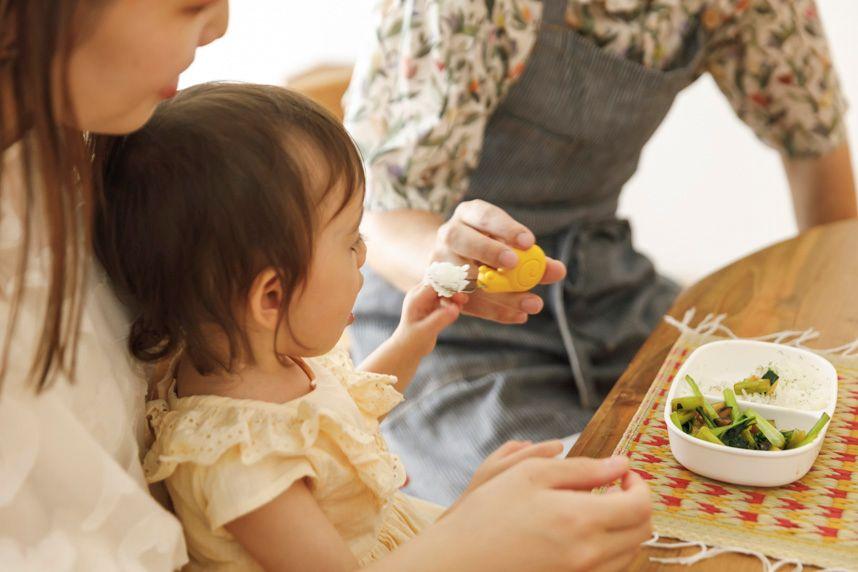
(490, 124)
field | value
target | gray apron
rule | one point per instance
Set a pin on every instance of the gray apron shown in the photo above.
(556, 155)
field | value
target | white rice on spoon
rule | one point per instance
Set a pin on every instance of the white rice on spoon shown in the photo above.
(447, 278)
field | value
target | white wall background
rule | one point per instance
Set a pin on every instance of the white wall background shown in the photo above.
(707, 191)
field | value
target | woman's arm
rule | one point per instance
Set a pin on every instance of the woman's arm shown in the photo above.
(400, 244)
(823, 188)
(791, 98)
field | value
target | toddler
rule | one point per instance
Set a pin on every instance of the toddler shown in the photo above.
(230, 225)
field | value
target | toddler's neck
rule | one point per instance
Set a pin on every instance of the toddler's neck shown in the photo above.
(291, 379)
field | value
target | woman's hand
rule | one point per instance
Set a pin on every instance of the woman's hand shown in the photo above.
(481, 233)
(539, 515)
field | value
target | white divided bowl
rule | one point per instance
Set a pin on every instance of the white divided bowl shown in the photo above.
(730, 361)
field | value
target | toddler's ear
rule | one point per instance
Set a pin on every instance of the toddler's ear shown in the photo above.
(265, 299)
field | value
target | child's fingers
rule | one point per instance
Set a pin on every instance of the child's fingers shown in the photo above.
(625, 481)
(426, 295)
(423, 299)
(546, 449)
(506, 449)
(423, 295)
(627, 508)
(631, 479)
(579, 473)
(443, 316)
(543, 449)
(420, 302)
(460, 298)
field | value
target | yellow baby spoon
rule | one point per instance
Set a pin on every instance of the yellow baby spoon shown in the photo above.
(520, 278)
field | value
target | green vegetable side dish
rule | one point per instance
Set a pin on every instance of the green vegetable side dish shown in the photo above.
(754, 384)
(726, 424)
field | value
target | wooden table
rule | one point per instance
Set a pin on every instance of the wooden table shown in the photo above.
(809, 281)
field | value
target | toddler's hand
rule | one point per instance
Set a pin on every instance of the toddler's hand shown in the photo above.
(540, 515)
(509, 454)
(424, 315)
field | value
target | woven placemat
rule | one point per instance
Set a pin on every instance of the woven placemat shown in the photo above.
(813, 521)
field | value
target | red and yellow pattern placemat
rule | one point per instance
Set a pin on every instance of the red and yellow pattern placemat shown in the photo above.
(814, 520)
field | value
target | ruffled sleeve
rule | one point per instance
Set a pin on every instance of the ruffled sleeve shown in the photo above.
(772, 61)
(237, 459)
(238, 455)
(374, 393)
(234, 489)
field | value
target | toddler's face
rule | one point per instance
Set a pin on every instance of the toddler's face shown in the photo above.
(320, 312)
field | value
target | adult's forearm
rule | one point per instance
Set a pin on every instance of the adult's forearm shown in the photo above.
(823, 188)
(399, 244)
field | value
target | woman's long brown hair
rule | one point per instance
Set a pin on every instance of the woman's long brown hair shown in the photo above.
(36, 37)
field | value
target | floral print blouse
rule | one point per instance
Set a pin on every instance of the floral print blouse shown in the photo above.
(436, 70)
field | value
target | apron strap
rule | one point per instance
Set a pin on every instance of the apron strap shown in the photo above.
(587, 394)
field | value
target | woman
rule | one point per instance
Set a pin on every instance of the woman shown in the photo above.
(71, 489)
(489, 124)
(71, 486)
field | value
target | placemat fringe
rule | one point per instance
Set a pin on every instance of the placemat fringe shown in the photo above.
(707, 552)
(713, 324)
